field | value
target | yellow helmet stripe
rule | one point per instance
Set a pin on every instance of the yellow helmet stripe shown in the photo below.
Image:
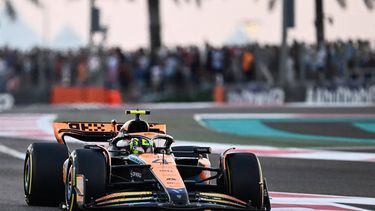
(139, 112)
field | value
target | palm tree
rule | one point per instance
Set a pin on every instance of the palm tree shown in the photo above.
(319, 14)
(155, 26)
(11, 12)
(319, 10)
(154, 20)
(153, 13)
(319, 24)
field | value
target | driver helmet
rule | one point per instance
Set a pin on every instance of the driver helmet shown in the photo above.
(140, 145)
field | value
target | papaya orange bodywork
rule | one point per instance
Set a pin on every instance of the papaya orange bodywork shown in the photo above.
(164, 168)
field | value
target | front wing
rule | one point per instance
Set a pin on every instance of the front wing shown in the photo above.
(148, 199)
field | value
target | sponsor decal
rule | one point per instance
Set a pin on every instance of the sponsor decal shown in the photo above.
(135, 174)
(341, 94)
(89, 127)
(256, 96)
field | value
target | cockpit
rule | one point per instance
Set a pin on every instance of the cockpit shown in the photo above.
(137, 136)
(139, 144)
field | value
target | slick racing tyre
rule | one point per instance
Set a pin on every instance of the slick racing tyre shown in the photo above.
(43, 177)
(92, 165)
(244, 179)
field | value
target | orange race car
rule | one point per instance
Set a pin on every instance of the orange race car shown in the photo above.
(138, 168)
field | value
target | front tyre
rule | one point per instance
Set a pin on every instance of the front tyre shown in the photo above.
(244, 179)
(42, 178)
(92, 165)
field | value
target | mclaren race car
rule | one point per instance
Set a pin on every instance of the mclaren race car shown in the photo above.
(133, 166)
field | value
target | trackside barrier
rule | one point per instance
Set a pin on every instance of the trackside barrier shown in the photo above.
(6, 101)
(64, 95)
(95, 95)
(114, 97)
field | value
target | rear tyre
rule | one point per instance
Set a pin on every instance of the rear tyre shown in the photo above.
(244, 178)
(92, 165)
(43, 177)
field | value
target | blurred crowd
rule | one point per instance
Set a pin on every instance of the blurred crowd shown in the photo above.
(185, 68)
(335, 61)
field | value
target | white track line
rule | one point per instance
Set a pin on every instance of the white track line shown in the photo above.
(12, 152)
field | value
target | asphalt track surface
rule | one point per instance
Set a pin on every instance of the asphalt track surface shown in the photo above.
(342, 178)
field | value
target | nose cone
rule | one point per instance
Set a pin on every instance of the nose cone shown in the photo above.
(178, 196)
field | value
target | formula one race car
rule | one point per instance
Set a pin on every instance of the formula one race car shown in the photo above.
(138, 168)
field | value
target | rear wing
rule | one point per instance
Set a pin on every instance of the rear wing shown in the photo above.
(95, 131)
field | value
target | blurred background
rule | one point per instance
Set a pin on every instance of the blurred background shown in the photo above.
(244, 51)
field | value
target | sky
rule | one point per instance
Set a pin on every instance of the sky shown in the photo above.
(65, 23)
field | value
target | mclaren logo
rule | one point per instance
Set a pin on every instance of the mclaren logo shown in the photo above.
(163, 161)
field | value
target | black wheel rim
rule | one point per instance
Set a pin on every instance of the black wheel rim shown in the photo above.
(26, 176)
(69, 187)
